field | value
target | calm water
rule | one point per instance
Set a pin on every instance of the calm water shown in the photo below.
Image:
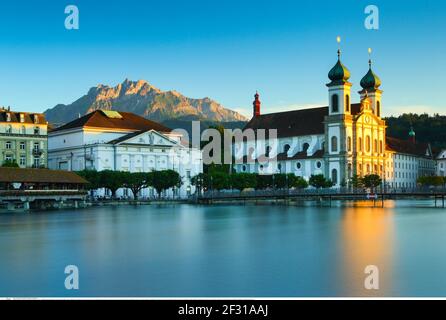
(200, 251)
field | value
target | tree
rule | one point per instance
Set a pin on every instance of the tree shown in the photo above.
(431, 181)
(164, 180)
(372, 181)
(10, 164)
(93, 178)
(200, 181)
(136, 181)
(356, 182)
(241, 181)
(264, 181)
(112, 180)
(318, 181)
(220, 180)
(298, 183)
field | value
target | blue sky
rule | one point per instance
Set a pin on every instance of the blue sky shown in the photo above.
(225, 50)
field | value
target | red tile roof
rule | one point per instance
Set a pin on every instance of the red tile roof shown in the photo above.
(408, 147)
(15, 117)
(129, 121)
(296, 122)
(18, 175)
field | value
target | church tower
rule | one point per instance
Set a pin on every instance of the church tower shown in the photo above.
(370, 84)
(338, 124)
(256, 105)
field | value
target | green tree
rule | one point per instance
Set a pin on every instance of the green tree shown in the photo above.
(200, 181)
(10, 164)
(356, 182)
(220, 180)
(372, 181)
(318, 181)
(264, 181)
(136, 181)
(164, 180)
(241, 181)
(298, 183)
(93, 178)
(112, 180)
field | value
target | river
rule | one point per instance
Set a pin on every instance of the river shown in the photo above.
(225, 250)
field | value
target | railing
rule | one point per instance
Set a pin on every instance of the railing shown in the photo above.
(20, 193)
(274, 193)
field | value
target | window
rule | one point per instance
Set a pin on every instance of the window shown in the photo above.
(8, 158)
(36, 130)
(367, 144)
(378, 108)
(268, 151)
(22, 118)
(36, 119)
(9, 129)
(22, 160)
(334, 103)
(286, 148)
(279, 167)
(347, 103)
(349, 144)
(375, 145)
(360, 144)
(8, 117)
(8, 145)
(334, 176)
(36, 162)
(22, 145)
(36, 146)
(306, 146)
(334, 144)
(380, 146)
(318, 164)
(23, 130)
(298, 166)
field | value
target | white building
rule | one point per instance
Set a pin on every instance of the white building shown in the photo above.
(339, 140)
(441, 164)
(121, 141)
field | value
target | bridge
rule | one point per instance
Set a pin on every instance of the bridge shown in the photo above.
(438, 195)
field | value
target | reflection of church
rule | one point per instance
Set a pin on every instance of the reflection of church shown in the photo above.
(339, 141)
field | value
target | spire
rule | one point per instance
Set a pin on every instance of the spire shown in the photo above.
(256, 105)
(339, 74)
(412, 135)
(370, 81)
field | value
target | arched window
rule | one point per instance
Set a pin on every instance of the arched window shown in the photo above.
(286, 148)
(334, 103)
(267, 151)
(36, 130)
(360, 144)
(305, 147)
(334, 144)
(380, 146)
(375, 145)
(367, 144)
(349, 144)
(334, 176)
(378, 108)
(347, 103)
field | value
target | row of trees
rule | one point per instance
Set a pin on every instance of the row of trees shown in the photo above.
(218, 180)
(433, 181)
(135, 181)
(370, 181)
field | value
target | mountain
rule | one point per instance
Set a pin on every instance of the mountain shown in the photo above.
(145, 100)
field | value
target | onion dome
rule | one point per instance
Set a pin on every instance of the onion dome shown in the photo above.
(339, 72)
(370, 81)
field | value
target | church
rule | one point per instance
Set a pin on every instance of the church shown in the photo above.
(340, 140)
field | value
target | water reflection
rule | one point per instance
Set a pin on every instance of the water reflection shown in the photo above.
(367, 238)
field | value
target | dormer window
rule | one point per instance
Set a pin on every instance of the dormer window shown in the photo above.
(22, 118)
(8, 117)
(36, 119)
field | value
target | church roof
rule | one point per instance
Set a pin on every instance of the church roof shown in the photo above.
(295, 123)
(408, 147)
(19, 175)
(115, 120)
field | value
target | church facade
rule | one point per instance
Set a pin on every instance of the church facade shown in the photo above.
(340, 140)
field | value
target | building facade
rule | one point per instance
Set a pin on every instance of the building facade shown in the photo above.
(121, 141)
(441, 164)
(340, 140)
(23, 138)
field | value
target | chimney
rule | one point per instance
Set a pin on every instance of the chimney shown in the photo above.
(256, 105)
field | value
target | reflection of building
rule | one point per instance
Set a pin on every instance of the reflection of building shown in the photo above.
(110, 140)
(441, 164)
(340, 140)
(23, 138)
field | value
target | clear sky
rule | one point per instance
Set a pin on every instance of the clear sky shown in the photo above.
(224, 49)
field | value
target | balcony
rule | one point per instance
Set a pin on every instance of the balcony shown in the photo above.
(37, 152)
